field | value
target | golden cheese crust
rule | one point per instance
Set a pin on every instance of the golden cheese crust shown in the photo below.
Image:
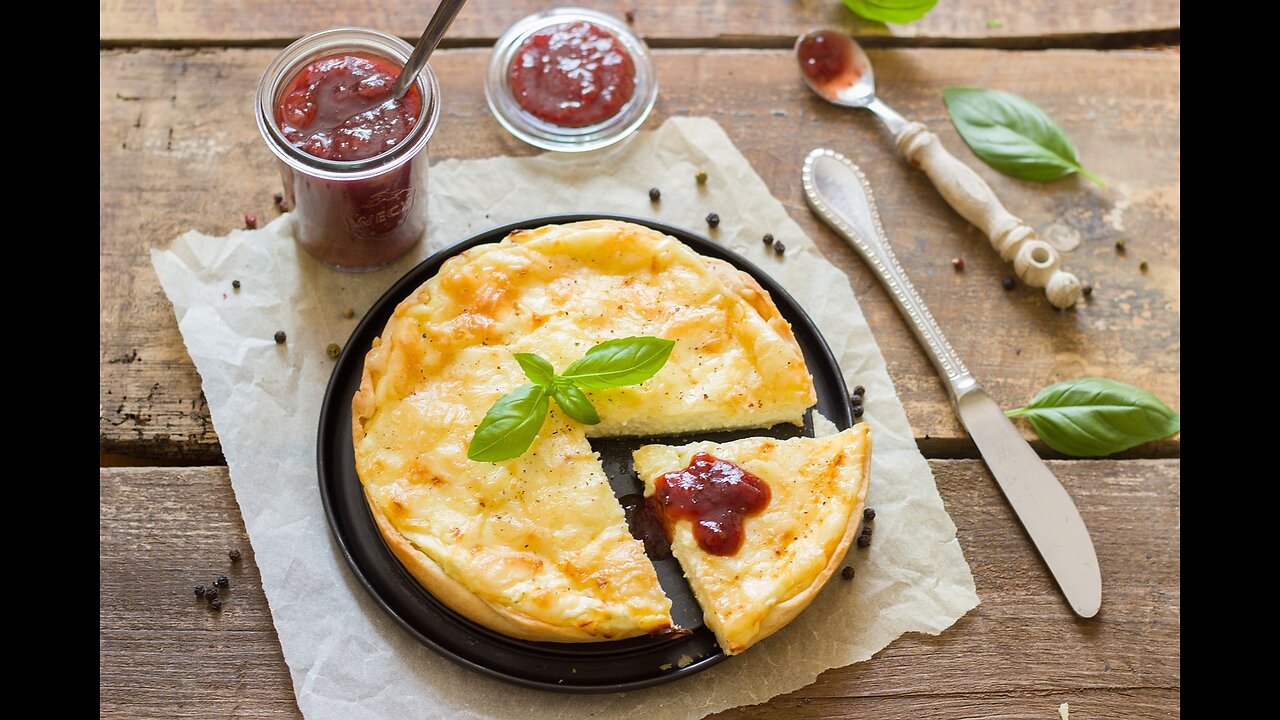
(537, 547)
(819, 488)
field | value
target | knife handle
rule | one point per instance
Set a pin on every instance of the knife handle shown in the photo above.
(839, 193)
(1034, 260)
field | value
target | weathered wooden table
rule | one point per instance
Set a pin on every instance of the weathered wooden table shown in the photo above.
(179, 150)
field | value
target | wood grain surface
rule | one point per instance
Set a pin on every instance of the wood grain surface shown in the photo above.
(179, 150)
(776, 23)
(1019, 654)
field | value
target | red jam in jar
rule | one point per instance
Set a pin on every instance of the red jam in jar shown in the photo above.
(352, 157)
(340, 108)
(572, 75)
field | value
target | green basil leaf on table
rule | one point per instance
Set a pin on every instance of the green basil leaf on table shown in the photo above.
(1013, 135)
(616, 363)
(574, 403)
(899, 12)
(511, 425)
(537, 369)
(1091, 417)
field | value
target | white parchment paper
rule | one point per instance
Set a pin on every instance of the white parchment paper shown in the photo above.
(347, 658)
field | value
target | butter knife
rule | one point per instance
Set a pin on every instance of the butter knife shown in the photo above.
(839, 194)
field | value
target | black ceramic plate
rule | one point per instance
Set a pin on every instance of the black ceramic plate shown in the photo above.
(566, 667)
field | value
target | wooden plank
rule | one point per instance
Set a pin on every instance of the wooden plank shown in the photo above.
(1019, 654)
(179, 149)
(1022, 23)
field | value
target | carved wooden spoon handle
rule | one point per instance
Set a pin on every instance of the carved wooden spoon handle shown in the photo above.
(1034, 260)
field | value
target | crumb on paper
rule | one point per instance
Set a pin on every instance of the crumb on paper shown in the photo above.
(684, 660)
(665, 666)
(1064, 711)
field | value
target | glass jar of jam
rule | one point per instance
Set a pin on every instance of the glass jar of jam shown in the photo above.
(353, 159)
(570, 80)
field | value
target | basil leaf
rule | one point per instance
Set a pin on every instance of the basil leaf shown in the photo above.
(510, 426)
(891, 11)
(1091, 417)
(1013, 135)
(574, 403)
(616, 363)
(537, 369)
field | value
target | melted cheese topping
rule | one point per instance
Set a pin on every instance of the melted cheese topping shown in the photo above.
(540, 539)
(818, 488)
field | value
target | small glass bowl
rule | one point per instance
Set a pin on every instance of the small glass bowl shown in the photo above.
(548, 136)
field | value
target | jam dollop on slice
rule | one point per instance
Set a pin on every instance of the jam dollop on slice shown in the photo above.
(715, 495)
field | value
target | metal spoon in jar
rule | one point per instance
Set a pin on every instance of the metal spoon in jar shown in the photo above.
(436, 28)
(836, 68)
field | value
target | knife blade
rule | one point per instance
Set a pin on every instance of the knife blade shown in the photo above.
(839, 194)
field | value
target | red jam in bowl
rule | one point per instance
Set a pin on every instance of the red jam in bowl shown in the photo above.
(339, 108)
(572, 75)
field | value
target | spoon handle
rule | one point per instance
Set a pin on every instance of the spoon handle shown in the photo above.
(1034, 260)
(439, 23)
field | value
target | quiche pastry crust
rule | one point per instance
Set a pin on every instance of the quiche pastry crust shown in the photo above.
(791, 548)
(537, 547)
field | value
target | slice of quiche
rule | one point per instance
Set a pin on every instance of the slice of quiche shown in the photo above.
(760, 524)
(537, 547)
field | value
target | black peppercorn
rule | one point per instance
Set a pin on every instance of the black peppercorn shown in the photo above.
(223, 582)
(779, 248)
(630, 15)
(856, 410)
(713, 219)
(211, 592)
(869, 514)
(701, 177)
(280, 338)
(1008, 283)
(864, 540)
(279, 198)
(235, 284)
(655, 194)
(859, 391)
(1086, 290)
(234, 554)
(199, 591)
(847, 572)
(768, 238)
(216, 604)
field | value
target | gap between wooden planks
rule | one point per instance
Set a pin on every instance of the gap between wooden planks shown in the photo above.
(1019, 654)
(179, 150)
(663, 23)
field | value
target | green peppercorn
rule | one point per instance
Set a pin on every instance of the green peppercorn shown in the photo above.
(333, 351)
(1143, 266)
(348, 313)
(701, 177)
(1120, 245)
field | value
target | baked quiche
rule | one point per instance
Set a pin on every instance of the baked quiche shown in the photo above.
(758, 525)
(537, 547)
